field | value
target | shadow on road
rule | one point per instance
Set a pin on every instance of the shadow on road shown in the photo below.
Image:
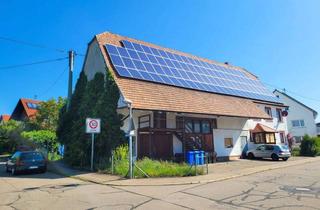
(29, 174)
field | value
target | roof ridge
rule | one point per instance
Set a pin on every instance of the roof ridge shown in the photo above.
(172, 50)
(299, 102)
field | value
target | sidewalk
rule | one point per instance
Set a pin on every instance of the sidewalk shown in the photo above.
(217, 172)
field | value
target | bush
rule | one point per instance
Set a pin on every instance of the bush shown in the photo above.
(295, 151)
(154, 168)
(310, 146)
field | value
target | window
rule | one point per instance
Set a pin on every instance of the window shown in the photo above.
(298, 139)
(270, 138)
(196, 125)
(205, 126)
(189, 127)
(264, 138)
(297, 123)
(160, 119)
(144, 121)
(268, 111)
(32, 105)
(269, 147)
(262, 147)
(282, 137)
(228, 142)
(279, 115)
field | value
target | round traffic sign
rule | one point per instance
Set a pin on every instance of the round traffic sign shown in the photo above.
(93, 124)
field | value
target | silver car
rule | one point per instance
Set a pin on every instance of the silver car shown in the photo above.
(273, 151)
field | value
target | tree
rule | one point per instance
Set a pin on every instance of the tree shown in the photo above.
(70, 125)
(97, 98)
(42, 138)
(10, 136)
(47, 116)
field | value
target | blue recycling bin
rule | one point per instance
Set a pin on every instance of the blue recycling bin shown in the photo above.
(197, 157)
(190, 157)
(201, 157)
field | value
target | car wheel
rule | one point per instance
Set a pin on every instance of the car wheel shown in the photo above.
(274, 157)
(250, 155)
(44, 170)
(285, 159)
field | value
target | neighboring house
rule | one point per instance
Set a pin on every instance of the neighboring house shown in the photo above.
(25, 109)
(182, 102)
(301, 118)
(4, 118)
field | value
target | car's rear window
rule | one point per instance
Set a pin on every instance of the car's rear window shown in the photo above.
(31, 156)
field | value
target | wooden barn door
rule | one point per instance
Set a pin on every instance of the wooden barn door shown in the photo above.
(143, 145)
(162, 146)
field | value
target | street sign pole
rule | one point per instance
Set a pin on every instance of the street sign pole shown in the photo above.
(92, 126)
(92, 150)
(131, 128)
(130, 157)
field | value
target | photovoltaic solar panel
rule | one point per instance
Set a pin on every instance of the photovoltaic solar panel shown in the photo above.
(146, 63)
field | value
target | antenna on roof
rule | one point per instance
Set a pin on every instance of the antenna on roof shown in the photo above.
(284, 90)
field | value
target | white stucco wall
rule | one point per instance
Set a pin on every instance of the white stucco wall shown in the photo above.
(94, 61)
(299, 112)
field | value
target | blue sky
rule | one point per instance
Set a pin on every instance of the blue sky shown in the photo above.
(276, 40)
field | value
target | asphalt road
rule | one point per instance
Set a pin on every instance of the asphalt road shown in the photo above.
(296, 187)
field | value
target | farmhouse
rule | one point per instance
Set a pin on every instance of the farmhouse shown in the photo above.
(25, 109)
(182, 102)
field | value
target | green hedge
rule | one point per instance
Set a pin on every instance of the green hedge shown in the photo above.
(310, 146)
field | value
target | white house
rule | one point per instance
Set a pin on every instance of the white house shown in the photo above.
(182, 102)
(301, 118)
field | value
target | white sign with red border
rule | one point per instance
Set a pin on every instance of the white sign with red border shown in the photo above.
(93, 125)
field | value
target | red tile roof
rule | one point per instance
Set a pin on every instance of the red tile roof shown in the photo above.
(152, 96)
(4, 118)
(22, 110)
(30, 112)
(263, 128)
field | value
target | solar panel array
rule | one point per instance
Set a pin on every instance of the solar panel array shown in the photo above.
(146, 63)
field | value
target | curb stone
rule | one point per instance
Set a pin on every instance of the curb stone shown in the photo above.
(241, 174)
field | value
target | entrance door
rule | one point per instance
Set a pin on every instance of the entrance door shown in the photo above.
(244, 145)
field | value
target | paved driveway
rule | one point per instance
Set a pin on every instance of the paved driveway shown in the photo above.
(296, 187)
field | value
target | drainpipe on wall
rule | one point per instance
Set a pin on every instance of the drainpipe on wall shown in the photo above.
(129, 104)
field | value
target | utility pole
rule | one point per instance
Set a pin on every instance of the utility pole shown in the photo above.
(71, 63)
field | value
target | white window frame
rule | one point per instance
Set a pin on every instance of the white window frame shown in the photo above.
(300, 123)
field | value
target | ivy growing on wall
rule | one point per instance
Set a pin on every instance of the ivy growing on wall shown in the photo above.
(97, 98)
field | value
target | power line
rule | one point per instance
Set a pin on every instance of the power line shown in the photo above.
(33, 63)
(291, 92)
(54, 83)
(37, 45)
(32, 44)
